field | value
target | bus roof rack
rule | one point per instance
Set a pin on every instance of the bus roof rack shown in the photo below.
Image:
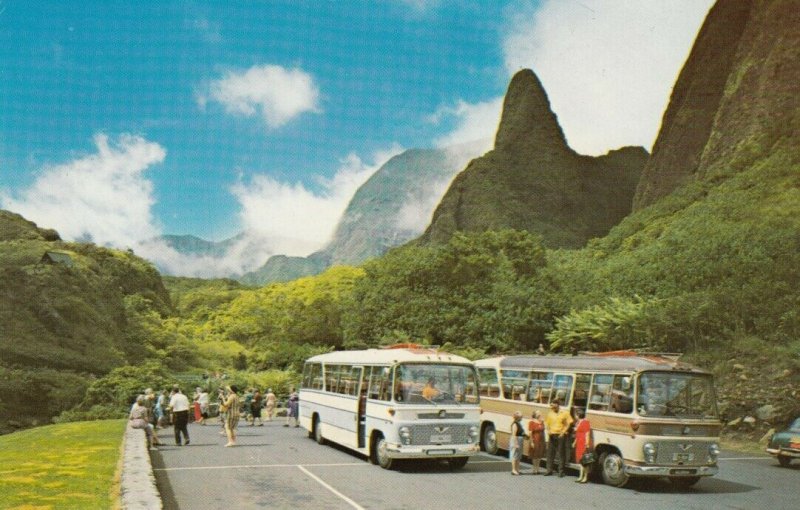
(673, 356)
(411, 345)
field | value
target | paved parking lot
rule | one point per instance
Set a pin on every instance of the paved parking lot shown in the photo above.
(279, 467)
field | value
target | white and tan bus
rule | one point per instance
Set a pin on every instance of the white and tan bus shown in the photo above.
(403, 402)
(651, 415)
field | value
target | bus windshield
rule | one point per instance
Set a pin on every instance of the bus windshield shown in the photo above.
(680, 395)
(434, 384)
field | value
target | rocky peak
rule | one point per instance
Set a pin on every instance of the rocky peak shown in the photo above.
(527, 118)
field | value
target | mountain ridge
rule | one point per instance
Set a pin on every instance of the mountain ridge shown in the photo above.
(532, 180)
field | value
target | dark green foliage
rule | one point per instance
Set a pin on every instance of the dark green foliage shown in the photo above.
(30, 397)
(479, 290)
(112, 395)
(67, 318)
(713, 266)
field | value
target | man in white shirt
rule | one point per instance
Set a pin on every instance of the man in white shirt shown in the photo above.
(180, 415)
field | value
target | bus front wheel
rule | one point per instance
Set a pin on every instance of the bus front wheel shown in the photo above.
(613, 469)
(489, 440)
(382, 453)
(317, 428)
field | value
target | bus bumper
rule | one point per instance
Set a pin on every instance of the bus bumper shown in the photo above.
(672, 471)
(397, 451)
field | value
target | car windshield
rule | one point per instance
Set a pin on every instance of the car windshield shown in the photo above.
(435, 384)
(795, 426)
(671, 394)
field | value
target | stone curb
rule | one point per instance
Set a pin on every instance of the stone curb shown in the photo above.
(137, 482)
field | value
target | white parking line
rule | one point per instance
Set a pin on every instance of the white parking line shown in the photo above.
(746, 458)
(251, 466)
(319, 480)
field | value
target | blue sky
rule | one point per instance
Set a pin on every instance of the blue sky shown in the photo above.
(120, 121)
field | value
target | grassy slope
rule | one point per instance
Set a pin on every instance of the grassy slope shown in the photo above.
(71, 465)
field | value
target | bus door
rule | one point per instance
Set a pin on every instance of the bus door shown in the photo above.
(361, 415)
(580, 397)
(562, 388)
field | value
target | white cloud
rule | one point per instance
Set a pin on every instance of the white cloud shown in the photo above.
(294, 219)
(276, 93)
(608, 66)
(277, 218)
(245, 253)
(102, 197)
(473, 123)
(415, 214)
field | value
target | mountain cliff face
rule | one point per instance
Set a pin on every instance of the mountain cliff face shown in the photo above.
(391, 208)
(394, 205)
(735, 97)
(714, 237)
(67, 313)
(533, 181)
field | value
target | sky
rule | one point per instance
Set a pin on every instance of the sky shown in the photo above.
(122, 121)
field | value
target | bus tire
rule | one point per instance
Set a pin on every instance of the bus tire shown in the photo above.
(457, 463)
(683, 482)
(489, 439)
(311, 430)
(317, 428)
(379, 454)
(613, 469)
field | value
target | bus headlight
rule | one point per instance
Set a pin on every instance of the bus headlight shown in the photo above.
(650, 451)
(405, 435)
(713, 453)
(473, 434)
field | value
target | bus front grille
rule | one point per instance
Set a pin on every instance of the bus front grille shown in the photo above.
(439, 433)
(685, 453)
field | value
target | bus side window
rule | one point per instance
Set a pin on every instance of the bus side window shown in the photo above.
(316, 376)
(562, 389)
(622, 395)
(600, 396)
(581, 395)
(515, 384)
(380, 380)
(489, 384)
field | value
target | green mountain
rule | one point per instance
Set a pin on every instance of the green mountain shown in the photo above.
(392, 207)
(711, 256)
(283, 268)
(193, 245)
(533, 181)
(708, 77)
(66, 315)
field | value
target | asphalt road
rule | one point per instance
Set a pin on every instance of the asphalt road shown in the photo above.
(279, 467)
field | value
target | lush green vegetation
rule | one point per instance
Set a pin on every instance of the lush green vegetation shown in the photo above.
(69, 312)
(712, 268)
(69, 465)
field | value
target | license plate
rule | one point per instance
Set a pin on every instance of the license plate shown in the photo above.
(441, 438)
(682, 472)
(682, 457)
(440, 452)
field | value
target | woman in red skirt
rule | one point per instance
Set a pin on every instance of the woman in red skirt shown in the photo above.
(536, 432)
(583, 444)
